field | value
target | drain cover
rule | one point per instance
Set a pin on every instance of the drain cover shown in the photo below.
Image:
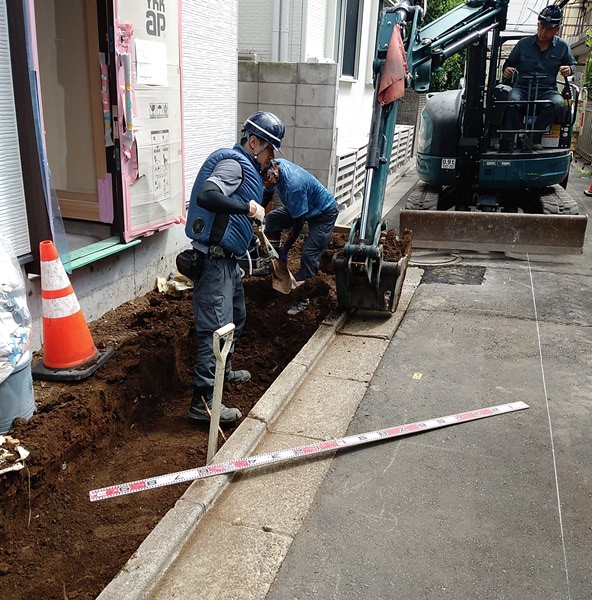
(453, 274)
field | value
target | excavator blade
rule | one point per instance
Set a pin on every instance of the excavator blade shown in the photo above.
(495, 232)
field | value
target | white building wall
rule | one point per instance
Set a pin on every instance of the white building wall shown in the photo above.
(255, 23)
(210, 80)
(316, 29)
(255, 19)
(354, 109)
(296, 32)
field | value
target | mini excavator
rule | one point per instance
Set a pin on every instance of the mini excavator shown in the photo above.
(472, 195)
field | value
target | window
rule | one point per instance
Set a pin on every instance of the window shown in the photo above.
(348, 22)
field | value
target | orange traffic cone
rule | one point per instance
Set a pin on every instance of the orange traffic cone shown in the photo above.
(588, 192)
(69, 352)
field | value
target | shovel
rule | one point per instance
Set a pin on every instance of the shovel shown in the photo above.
(281, 279)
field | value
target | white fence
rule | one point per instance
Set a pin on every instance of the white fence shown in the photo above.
(350, 170)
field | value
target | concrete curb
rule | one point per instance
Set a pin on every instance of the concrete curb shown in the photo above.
(142, 571)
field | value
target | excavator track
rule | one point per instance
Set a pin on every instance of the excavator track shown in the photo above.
(556, 201)
(423, 197)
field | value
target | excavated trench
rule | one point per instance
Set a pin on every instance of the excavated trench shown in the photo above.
(129, 421)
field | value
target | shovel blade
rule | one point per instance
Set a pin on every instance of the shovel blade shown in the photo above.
(281, 279)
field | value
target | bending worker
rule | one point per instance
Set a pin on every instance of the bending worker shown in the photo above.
(304, 199)
(226, 195)
(543, 55)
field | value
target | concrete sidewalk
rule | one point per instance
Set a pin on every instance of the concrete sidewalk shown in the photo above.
(497, 508)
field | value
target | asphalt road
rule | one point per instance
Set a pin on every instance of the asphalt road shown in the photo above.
(494, 509)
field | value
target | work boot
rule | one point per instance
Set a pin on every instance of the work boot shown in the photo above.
(227, 415)
(198, 412)
(238, 376)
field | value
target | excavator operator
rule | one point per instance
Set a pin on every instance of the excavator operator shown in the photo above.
(535, 61)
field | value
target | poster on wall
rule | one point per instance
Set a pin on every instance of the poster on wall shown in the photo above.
(150, 124)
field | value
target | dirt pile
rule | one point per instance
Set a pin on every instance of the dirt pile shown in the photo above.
(129, 421)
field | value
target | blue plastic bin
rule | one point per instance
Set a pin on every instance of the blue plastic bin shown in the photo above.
(16, 396)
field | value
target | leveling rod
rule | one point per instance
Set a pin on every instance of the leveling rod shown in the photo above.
(231, 466)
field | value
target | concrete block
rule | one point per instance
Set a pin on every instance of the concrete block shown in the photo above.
(248, 71)
(287, 153)
(323, 118)
(278, 394)
(351, 363)
(316, 95)
(248, 91)
(288, 140)
(240, 575)
(317, 73)
(276, 497)
(322, 408)
(276, 72)
(245, 110)
(310, 158)
(285, 112)
(272, 93)
(309, 137)
(322, 176)
(315, 346)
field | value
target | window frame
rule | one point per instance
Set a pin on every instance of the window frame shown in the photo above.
(342, 32)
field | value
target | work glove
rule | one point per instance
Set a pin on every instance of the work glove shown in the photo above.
(283, 254)
(256, 212)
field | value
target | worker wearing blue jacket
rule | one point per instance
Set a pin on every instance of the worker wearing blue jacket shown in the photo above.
(305, 200)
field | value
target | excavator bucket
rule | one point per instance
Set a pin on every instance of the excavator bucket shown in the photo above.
(378, 291)
(495, 231)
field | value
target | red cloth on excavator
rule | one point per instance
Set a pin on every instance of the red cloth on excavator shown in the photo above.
(392, 84)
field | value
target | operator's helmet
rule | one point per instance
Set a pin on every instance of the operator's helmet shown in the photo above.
(266, 126)
(551, 16)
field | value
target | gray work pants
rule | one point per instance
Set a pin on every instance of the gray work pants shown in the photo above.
(218, 299)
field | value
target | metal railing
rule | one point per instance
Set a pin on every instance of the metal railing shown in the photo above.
(350, 170)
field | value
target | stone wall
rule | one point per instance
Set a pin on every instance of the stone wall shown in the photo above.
(304, 96)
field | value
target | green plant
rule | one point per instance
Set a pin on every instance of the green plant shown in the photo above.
(449, 75)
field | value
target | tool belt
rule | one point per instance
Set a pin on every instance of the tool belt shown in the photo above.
(219, 252)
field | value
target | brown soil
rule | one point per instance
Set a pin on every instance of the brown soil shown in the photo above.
(129, 421)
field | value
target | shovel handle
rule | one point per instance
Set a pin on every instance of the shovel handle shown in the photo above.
(225, 333)
(268, 249)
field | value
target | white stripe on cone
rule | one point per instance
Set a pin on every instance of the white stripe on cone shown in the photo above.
(60, 307)
(53, 275)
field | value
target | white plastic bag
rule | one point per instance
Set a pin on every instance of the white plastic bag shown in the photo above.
(15, 319)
